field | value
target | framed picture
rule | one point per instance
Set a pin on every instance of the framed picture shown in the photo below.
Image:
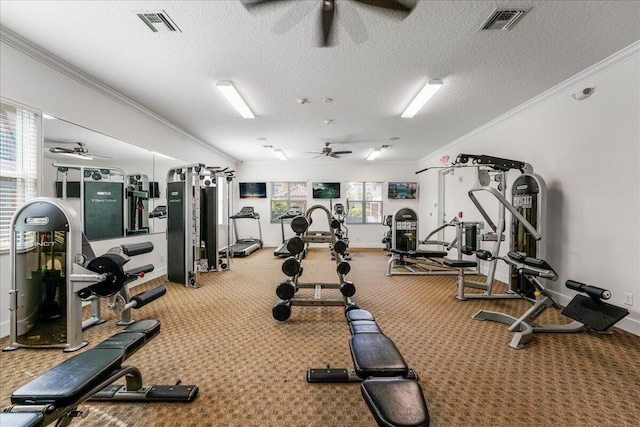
(326, 190)
(253, 190)
(403, 190)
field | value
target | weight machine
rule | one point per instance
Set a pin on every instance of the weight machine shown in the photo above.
(101, 193)
(192, 222)
(528, 224)
(406, 257)
(53, 273)
(138, 204)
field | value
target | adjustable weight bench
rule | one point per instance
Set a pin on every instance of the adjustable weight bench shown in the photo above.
(56, 394)
(420, 263)
(389, 387)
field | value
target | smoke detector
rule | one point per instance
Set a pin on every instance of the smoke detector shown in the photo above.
(503, 19)
(158, 22)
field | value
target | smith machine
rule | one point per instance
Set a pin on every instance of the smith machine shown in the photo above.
(192, 221)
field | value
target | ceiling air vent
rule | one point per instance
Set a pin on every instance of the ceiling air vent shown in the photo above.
(158, 22)
(503, 19)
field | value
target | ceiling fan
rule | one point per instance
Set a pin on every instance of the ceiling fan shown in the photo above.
(80, 151)
(328, 12)
(327, 151)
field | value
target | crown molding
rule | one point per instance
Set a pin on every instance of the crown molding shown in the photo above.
(21, 44)
(619, 57)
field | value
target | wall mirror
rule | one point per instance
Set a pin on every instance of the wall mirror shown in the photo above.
(102, 160)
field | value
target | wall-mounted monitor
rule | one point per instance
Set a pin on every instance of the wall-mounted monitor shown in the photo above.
(403, 190)
(326, 190)
(73, 189)
(253, 190)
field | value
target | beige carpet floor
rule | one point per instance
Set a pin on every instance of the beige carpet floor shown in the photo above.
(251, 368)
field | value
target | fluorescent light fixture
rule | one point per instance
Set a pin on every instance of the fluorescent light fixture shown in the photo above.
(375, 153)
(230, 92)
(280, 154)
(421, 98)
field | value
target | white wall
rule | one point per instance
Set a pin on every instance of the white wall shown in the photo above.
(34, 79)
(326, 170)
(588, 152)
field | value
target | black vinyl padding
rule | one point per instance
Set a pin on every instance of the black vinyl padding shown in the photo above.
(364, 326)
(65, 383)
(21, 419)
(419, 254)
(397, 402)
(462, 263)
(375, 355)
(358, 314)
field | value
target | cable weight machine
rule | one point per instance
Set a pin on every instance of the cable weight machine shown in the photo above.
(192, 222)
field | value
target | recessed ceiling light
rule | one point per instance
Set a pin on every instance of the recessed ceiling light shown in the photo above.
(302, 101)
(329, 121)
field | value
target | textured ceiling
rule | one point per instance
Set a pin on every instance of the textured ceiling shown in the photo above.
(377, 64)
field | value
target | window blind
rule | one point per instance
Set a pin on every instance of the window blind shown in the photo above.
(18, 167)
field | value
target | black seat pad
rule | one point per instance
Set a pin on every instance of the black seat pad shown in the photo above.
(149, 327)
(462, 263)
(363, 326)
(21, 419)
(130, 342)
(67, 382)
(398, 402)
(358, 314)
(419, 254)
(375, 355)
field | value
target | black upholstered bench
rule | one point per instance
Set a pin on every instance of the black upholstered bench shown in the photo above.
(57, 393)
(419, 254)
(21, 419)
(389, 387)
(459, 263)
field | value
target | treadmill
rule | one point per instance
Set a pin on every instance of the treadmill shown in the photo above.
(244, 247)
(282, 250)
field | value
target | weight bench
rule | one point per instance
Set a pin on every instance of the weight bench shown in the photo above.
(389, 387)
(56, 394)
(419, 263)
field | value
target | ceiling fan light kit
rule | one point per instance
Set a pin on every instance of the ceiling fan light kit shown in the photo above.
(232, 95)
(375, 153)
(421, 98)
(280, 154)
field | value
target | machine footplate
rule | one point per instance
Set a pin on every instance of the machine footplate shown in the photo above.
(155, 393)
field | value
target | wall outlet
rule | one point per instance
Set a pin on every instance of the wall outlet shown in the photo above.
(628, 298)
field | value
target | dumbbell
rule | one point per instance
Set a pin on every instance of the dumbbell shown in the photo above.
(295, 245)
(286, 289)
(282, 310)
(343, 267)
(340, 246)
(347, 288)
(291, 266)
(300, 224)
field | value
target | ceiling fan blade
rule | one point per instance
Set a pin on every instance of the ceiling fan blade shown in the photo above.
(387, 4)
(343, 152)
(60, 150)
(292, 17)
(327, 13)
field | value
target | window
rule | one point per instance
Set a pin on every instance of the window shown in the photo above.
(365, 202)
(18, 166)
(285, 195)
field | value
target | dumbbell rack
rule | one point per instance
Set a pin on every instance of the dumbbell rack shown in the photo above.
(292, 267)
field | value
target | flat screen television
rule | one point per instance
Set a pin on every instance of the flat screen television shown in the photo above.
(326, 190)
(253, 190)
(402, 190)
(73, 189)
